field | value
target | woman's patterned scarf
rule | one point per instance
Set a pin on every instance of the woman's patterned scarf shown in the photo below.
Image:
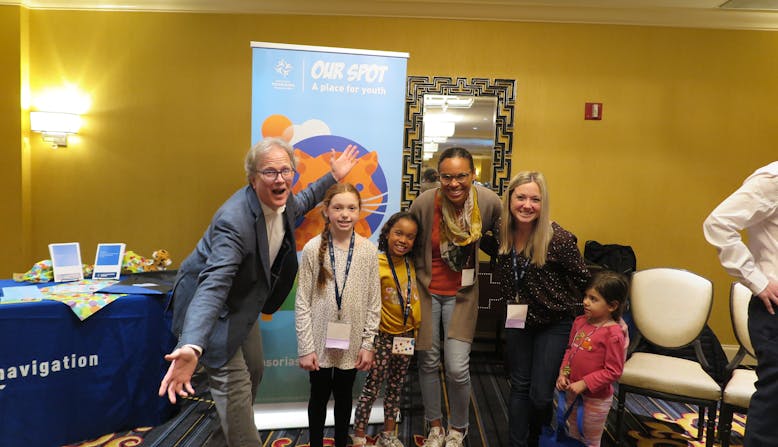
(458, 229)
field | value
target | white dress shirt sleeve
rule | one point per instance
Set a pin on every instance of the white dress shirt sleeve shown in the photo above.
(747, 208)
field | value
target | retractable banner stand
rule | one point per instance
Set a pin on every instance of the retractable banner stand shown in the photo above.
(319, 99)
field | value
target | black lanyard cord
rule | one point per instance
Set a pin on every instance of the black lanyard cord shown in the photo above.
(518, 273)
(339, 293)
(406, 306)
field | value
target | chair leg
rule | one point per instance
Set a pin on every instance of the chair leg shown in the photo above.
(700, 421)
(710, 429)
(620, 416)
(725, 424)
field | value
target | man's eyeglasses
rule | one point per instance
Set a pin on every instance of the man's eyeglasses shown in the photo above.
(462, 177)
(270, 175)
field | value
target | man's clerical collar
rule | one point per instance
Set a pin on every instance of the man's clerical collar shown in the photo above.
(267, 210)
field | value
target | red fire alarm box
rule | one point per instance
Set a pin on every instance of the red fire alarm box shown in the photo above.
(593, 111)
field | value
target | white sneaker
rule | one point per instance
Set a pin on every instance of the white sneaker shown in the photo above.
(435, 438)
(388, 439)
(454, 438)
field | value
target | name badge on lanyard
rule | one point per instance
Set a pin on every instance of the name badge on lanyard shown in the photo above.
(468, 277)
(339, 332)
(403, 345)
(468, 268)
(517, 316)
(338, 335)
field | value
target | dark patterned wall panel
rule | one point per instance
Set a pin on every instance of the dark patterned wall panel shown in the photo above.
(413, 143)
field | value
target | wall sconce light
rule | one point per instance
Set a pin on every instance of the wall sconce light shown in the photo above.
(55, 126)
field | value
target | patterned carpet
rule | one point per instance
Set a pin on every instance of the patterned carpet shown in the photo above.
(649, 422)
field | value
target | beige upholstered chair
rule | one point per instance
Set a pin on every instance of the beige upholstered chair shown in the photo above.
(738, 391)
(670, 308)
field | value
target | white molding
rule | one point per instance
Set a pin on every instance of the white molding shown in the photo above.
(292, 47)
(675, 13)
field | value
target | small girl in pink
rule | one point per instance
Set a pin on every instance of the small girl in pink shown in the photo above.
(594, 358)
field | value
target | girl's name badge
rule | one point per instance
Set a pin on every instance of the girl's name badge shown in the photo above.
(468, 277)
(517, 316)
(403, 345)
(338, 335)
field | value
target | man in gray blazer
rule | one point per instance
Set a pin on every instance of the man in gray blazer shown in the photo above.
(245, 263)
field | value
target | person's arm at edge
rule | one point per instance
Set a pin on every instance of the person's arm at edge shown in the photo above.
(750, 204)
(490, 241)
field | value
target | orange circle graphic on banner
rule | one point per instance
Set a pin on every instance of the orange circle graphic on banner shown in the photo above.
(277, 126)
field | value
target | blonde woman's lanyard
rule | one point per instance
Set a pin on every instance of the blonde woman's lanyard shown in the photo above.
(339, 332)
(518, 274)
(402, 345)
(517, 313)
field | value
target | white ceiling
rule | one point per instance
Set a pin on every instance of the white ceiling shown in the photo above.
(757, 15)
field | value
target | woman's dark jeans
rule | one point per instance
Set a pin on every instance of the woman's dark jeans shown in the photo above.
(533, 360)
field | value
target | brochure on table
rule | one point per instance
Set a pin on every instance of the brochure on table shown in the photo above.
(66, 262)
(21, 293)
(108, 261)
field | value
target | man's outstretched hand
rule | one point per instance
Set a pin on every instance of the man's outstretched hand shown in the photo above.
(178, 380)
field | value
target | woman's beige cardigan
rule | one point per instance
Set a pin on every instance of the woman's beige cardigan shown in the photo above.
(463, 320)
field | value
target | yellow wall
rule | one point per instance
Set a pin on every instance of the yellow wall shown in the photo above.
(14, 148)
(687, 115)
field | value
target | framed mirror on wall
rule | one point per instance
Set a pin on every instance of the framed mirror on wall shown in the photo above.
(464, 121)
(441, 112)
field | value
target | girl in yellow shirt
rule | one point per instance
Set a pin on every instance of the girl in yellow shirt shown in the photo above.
(400, 317)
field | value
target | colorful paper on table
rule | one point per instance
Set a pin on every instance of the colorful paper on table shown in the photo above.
(79, 297)
(40, 272)
(83, 286)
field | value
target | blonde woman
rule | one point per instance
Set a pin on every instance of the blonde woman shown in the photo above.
(540, 270)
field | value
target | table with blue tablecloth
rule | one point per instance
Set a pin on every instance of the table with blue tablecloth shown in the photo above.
(64, 380)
